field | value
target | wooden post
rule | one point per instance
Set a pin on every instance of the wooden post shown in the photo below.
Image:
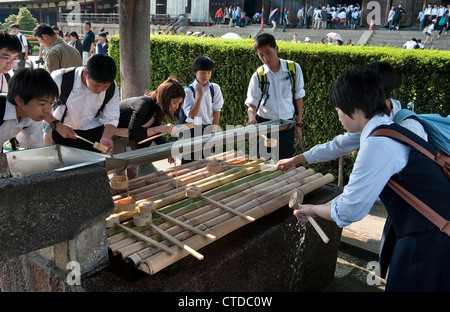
(134, 32)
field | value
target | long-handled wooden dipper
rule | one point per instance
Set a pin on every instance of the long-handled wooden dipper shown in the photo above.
(295, 202)
(189, 125)
(144, 217)
(269, 142)
(194, 192)
(216, 167)
(113, 220)
(98, 146)
(178, 222)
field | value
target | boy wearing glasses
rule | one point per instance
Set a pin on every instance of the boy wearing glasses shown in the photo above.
(10, 49)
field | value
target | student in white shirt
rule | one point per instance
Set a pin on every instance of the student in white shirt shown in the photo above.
(84, 111)
(203, 102)
(278, 101)
(23, 40)
(10, 48)
(29, 101)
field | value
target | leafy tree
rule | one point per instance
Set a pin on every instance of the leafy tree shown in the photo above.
(25, 20)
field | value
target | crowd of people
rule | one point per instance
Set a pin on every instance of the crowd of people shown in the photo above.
(58, 52)
(329, 17)
(88, 106)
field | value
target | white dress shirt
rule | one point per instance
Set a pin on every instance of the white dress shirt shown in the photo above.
(378, 159)
(30, 130)
(279, 103)
(3, 84)
(83, 105)
(349, 142)
(207, 105)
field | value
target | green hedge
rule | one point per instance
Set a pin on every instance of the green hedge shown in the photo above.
(423, 77)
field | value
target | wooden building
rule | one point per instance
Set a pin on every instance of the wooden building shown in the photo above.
(51, 12)
(200, 11)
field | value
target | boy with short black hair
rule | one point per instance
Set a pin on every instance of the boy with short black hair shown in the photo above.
(29, 101)
(10, 49)
(204, 100)
(418, 259)
(24, 43)
(281, 98)
(92, 108)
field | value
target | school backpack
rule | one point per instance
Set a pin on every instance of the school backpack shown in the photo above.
(182, 116)
(68, 79)
(263, 83)
(29, 45)
(437, 127)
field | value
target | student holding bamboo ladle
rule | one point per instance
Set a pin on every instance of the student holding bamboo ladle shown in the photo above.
(143, 118)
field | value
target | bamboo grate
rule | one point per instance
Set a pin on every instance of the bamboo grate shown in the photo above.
(248, 190)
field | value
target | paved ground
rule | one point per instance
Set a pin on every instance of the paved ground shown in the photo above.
(380, 36)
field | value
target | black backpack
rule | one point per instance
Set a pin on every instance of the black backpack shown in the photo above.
(182, 117)
(66, 87)
(29, 45)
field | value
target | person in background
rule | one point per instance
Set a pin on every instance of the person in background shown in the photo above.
(102, 44)
(23, 40)
(76, 43)
(88, 42)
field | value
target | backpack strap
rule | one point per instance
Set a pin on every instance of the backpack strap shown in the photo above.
(441, 158)
(68, 79)
(211, 90)
(108, 96)
(263, 85)
(2, 108)
(292, 76)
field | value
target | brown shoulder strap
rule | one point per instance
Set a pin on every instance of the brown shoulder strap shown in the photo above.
(421, 207)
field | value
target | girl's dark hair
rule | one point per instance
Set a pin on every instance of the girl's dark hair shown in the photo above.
(170, 89)
(359, 88)
(30, 83)
(74, 34)
(387, 75)
(265, 40)
(10, 42)
(101, 68)
(202, 63)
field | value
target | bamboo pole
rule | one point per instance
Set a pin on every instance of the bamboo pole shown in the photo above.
(216, 216)
(159, 261)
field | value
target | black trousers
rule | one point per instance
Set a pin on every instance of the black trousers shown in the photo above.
(286, 141)
(93, 135)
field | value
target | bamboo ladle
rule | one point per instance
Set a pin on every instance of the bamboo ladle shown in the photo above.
(194, 192)
(216, 167)
(144, 217)
(189, 125)
(269, 142)
(295, 202)
(177, 222)
(98, 146)
(113, 220)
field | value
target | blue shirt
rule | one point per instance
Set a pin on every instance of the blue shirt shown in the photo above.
(378, 159)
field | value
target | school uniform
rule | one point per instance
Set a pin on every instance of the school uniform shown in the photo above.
(31, 130)
(277, 102)
(81, 112)
(212, 101)
(418, 251)
(4, 83)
